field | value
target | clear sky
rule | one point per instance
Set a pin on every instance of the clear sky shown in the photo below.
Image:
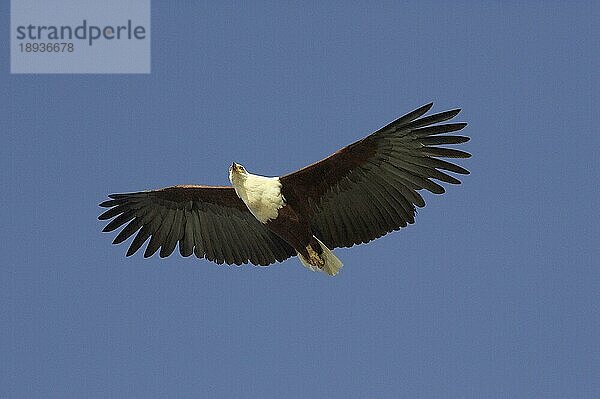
(493, 293)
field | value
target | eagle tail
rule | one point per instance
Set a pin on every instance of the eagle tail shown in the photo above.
(326, 262)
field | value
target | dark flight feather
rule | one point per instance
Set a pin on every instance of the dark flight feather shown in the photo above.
(210, 222)
(370, 187)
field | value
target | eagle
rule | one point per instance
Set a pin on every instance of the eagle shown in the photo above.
(357, 194)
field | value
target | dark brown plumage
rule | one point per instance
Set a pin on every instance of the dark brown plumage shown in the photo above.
(369, 188)
(211, 222)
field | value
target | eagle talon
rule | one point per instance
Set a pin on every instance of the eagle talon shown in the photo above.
(314, 258)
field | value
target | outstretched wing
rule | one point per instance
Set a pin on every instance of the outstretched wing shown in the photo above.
(211, 222)
(370, 187)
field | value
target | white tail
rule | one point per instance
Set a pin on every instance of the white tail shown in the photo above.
(331, 263)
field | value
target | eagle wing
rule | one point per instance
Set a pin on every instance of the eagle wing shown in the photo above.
(210, 222)
(370, 188)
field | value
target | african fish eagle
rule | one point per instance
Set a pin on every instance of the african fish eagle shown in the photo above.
(353, 196)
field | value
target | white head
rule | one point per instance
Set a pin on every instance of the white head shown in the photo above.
(261, 194)
(237, 173)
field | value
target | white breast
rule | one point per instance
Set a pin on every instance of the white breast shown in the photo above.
(262, 196)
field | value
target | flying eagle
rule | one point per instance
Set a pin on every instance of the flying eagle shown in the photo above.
(357, 194)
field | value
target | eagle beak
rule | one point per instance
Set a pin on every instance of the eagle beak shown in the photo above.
(237, 168)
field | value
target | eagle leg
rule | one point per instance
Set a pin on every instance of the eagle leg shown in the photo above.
(321, 259)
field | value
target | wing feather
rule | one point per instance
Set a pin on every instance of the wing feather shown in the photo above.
(224, 233)
(133, 226)
(172, 237)
(395, 193)
(437, 129)
(371, 187)
(119, 221)
(209, 222)
(155, 225)
(139, 239)
(199, 243)
(429, 120)
(186, 243)
(380, 202)
(111, 213)
(438, 140)
(160, 233)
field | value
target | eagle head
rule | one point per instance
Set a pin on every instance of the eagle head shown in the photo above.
(236, 173)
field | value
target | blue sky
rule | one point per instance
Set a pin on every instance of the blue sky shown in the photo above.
(492, 293)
